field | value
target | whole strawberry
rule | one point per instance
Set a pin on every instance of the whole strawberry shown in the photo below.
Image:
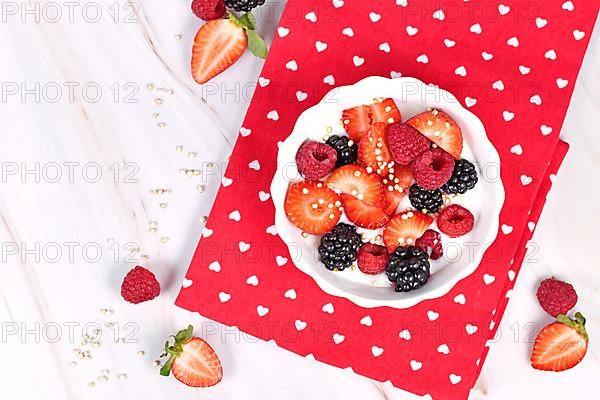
(139, 285)
(208, 9)
(556, 297)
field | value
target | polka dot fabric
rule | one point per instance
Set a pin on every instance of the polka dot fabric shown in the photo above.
(513, 64)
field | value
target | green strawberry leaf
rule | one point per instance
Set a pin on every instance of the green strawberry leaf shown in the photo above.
(184, 335)
(248, 21)
(165, 370)
(256, 44)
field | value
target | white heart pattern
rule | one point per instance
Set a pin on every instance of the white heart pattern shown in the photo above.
(578, 35)
(415, 365)
(498, 85)
(243, 246)
(283, 32)
(531, 226)
(511, 275)
(517, 149)
(411, 30)
(443, 349)
(471, 329)
(262, 82)
(487, 56)
(224, 297)
(273, 115)
(300, 325)
(281, 261)
(235, 216)
(405, 334)
(546, 130)
(513, 42)
(432, 315)
(263, 196)
(366, 321)
(561, 83)
(311, 16)
(320, 46)
(301, 96)
(376, 351)
(541, 22)
(470, 102)
(253, 280)
(290, 294)
(551, 55)
(207, 232)
(374, 17)
(385, 47)
(262, 311)
(225, 181)
(358, 61)
(460, 299)
(328, 308)
(508, 116)
(271, 230)
(186, 283)
(476, 28)
(488, 279)
(506, 229)
(536, 99)
(455, 379)
(461, 71)
(338, 338)
(292, 65)
(449, 43)
(524, 70)
(526, 180)
(254, 164)
(348, 32)
(423, 59)
(439, 15)
(503, 10)
(338, 3)
(214, 266)
(568, 5)
(329, 79)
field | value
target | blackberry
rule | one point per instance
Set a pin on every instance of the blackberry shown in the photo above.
(339, 248)
(425, 200)
(408, 268)
(347, 154)
(243, 5)
(464, 177)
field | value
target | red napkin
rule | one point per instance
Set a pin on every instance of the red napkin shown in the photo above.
(514, 65)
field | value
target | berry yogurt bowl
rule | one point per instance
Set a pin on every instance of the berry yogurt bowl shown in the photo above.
(380, 194)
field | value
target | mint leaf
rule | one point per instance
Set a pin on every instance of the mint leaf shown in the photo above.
(256, 44)
(184, 335)
(248, 21)
(165, 370)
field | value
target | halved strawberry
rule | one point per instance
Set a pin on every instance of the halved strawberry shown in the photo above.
(363, 214)
(373, 150)
(385, 111)
(560, 345)
(438, 127)
(356, 181)
(393, 199)
(192, 360)
(405, 228)
(218, 44)
(357, 121)
(312, 207)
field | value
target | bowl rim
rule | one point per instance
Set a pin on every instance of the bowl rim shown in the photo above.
(447, 102)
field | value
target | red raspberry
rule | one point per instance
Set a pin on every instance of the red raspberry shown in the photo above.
(431, 243)
(208, 9)
(556, 297)
(405, 143)
(372, 259)
(432, 169)
(139, 285)
(315, 160)
(455, 221)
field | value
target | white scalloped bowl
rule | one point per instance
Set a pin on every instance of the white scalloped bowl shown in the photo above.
(461, 255)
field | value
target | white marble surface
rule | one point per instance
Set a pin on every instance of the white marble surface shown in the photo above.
(116, 210)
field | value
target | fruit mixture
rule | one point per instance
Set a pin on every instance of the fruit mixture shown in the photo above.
(562, 344)
(366, 174)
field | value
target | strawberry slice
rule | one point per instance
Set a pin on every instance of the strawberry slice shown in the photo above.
(560, 345)
(393, 199)
(405, 228)
(192, 360)
(385, 111)
(357, 121)
(438, 127)
(404, 175)
(312, 207)
(218, 45)
(373, 150)
(356, 181)
(363, 214)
